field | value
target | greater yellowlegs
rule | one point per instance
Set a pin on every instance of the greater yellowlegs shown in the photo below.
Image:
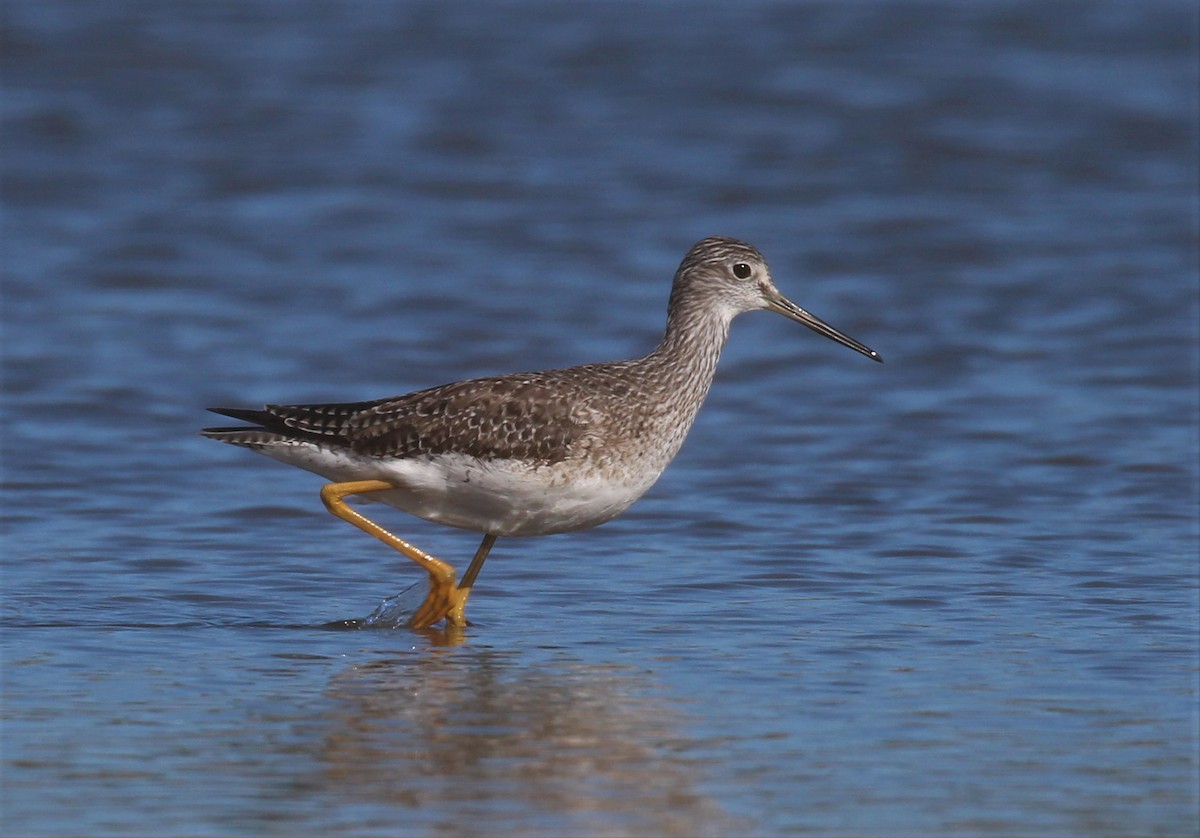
(529, 453)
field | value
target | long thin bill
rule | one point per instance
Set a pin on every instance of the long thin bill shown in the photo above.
(782, 305)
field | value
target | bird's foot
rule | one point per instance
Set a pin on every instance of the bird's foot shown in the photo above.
(445, 600)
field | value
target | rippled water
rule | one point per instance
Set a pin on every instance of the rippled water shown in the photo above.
(953, 594)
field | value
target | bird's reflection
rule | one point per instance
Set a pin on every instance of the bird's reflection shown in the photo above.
(485, 742)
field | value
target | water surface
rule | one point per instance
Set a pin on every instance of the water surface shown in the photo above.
(953, 594)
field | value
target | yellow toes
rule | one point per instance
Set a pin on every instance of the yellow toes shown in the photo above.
(445, 600)
(457, 615)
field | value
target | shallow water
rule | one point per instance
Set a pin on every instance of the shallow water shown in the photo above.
(953, 594)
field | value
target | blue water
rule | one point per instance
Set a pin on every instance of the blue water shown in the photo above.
(954, 594)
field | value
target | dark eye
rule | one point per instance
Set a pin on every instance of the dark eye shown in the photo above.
(741, 270)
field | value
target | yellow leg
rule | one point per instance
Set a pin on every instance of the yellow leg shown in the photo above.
(445, 599)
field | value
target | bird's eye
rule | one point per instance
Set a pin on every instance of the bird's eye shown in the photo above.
(741, 270)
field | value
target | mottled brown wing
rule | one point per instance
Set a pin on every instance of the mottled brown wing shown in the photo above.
(305, 420)
(522, 417)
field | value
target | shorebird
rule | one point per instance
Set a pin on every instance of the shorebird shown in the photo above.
(529, 453)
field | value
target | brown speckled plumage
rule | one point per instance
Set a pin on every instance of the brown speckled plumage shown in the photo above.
(619, 422)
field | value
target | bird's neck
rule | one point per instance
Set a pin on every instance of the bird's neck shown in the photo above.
(686, 359)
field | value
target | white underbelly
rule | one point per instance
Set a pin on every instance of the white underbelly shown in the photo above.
(502, 497)
(505, 497)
